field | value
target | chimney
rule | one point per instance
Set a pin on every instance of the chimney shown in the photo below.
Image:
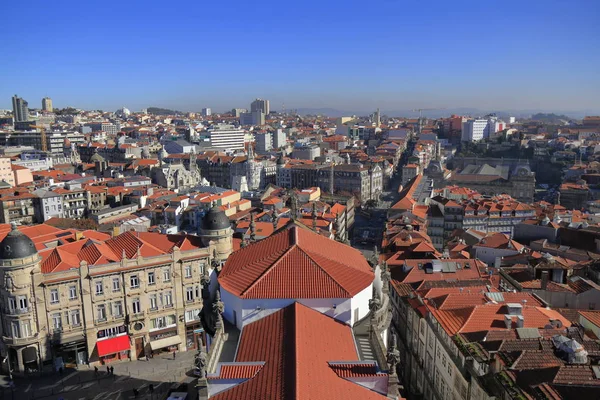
(545, 276)
(520, 321)
(507, 321)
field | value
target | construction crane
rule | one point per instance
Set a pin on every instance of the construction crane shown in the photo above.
(42, 136)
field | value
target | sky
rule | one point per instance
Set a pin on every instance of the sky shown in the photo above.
(350, 55)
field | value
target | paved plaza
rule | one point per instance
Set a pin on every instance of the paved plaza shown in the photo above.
(163, 372)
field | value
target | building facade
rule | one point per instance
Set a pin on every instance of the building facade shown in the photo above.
(125, 299)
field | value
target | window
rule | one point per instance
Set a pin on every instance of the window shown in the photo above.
(188, 271)
(23, 303)
(53, 296)
(135, 305)
(116, 284)
(117, 309)
(192, 315)
(153, 302)
(168, 299)
(101, 312)
(189, 293)
(151, 280)
(12, 303)
(72, 292)
(56, 321)
(99, 288)
(75, 318)
(167, 275)
(162, 322)
(26, 328)
(16, 329)
(134, 281)
(592, 306)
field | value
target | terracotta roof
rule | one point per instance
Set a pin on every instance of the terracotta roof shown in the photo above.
(296, 263)
(537, 359)
(296, 358)
(576, 375)
(592, 316)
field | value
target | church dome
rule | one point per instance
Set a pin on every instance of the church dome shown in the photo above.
(16, 245)
(215, 219)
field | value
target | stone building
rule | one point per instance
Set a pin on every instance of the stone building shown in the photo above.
(96, 301)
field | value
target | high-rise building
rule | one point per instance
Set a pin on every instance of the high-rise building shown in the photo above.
(264, 142)
(226, 137)
(474, 130)
(252, 118)
(279, 139)
(20, 109)
(47, 104)
(260, 105)
(238, 111)
(206, 112)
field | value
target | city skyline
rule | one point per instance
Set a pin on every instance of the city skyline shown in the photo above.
(400, 56)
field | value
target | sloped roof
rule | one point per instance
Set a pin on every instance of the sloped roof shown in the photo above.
(296, 263)
(296, 356)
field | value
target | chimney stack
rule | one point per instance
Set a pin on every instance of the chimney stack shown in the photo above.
(507, 321)
(520, 321)
(545, 277)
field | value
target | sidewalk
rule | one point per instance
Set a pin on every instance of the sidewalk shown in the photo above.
(160, 371)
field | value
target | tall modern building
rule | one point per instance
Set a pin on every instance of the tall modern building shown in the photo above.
(260, 105)
(47, 104)
(20, 109)
(206, 112)
(226, 137)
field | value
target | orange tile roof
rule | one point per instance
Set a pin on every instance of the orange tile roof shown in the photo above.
(296, 263)
(296, 358)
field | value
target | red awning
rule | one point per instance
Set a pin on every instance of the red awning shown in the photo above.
(113, 345)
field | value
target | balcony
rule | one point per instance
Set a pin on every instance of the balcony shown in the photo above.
(18, 311)
(19, 341)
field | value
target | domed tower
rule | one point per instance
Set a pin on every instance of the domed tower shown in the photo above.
(22, 296)
(217, 234)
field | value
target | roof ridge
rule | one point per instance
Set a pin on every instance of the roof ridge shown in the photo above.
(266, 271)
(324, 270)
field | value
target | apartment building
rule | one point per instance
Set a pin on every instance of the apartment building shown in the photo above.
(108, 299)
(498, 214)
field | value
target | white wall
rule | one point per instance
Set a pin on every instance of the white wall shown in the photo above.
(250, 310)
(488, 255)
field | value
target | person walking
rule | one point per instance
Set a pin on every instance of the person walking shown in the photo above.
(107, 370)
(95, 370)
(174, 351)
(112, 370)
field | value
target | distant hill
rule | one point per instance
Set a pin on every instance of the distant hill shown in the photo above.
(162, 111)
(550, 118)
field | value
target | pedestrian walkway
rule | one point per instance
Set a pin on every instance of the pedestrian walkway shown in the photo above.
(162, 372)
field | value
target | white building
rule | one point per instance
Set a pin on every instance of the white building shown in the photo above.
(264, 142)
(206, 112)
(301, 266)
(252, 118)
(226, 137)
(279, 139)
(474, 130)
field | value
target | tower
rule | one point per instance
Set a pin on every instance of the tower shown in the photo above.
(217, 234)
(22, 286)
(20, 109)
(47, 104)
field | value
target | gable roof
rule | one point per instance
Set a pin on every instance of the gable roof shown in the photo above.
(296, 358)
(296, 263)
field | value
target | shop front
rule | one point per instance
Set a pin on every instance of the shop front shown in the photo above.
(113, 348)
(71, 352)
(194, 336)
(164, 341)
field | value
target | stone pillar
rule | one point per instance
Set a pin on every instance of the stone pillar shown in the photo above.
(20, 365)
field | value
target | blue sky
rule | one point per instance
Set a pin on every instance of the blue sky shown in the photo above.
(351, 55)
